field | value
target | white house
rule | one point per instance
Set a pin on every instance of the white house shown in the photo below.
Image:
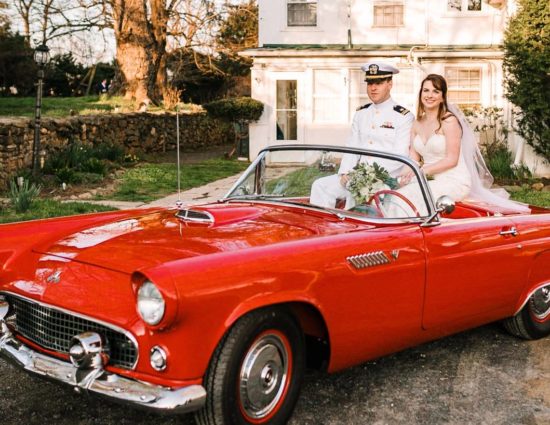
(307, 67)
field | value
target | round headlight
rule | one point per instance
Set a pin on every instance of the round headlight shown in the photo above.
(150, 303)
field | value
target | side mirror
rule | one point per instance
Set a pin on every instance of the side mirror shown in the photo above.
(445, 204)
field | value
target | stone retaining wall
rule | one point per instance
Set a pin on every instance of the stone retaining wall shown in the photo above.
(137, 132)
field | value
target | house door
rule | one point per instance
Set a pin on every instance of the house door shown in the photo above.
(287, 124)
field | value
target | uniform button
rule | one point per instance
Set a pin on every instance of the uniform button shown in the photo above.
(370, 142)
(377, 112)
(372, 126)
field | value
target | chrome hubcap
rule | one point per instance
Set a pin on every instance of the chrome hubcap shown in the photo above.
(263, 376)
(540, 303)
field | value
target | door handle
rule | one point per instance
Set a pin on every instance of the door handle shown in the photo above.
(513, 231)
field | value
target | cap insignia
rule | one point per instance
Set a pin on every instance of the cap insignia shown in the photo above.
(373, 69)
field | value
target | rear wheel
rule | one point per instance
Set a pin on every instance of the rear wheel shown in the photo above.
(533, 321)
(256, 371)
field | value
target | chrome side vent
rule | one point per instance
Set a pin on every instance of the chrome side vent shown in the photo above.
(370, 259)
(195, 216)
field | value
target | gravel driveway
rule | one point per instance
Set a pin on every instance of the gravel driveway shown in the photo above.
(482, 376)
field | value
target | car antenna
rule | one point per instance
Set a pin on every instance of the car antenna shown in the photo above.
(179, 203)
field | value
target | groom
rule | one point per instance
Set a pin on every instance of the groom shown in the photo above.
(382, 125)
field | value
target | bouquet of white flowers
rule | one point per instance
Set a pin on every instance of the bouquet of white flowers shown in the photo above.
(367, 179)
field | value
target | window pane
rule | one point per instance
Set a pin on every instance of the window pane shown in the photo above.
(287, 115)
(454, 5)
(464, 85)
(474, 5)
(287, 128)
(287, 94)
(302, 14)
(388, 15)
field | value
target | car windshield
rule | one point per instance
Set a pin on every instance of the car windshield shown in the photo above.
(341, 180)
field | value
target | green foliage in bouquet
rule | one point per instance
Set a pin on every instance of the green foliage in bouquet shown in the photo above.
(367, 179)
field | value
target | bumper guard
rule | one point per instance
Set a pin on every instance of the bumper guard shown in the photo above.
(100, 382)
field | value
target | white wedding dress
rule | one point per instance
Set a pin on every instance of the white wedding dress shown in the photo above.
(454, 182)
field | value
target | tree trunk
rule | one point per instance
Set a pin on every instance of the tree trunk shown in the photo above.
(140, 32)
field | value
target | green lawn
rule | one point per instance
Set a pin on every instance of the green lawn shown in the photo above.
(147, 182)
(62, 106)
(532, 197)
(46, 208)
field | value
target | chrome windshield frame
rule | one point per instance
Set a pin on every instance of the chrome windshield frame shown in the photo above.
(424, 187)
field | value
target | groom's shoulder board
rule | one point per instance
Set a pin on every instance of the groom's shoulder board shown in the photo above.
(365, 106)
(402, 110)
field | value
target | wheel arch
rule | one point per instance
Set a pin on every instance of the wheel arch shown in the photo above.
(538, 276)
(311, 322)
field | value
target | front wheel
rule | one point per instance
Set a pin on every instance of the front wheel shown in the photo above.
(533, 321)
(255, 374)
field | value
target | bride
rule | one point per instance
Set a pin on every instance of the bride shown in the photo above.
(444, 142)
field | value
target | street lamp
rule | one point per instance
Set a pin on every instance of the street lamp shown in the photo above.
(41, 57)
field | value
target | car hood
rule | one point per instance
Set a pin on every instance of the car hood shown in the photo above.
(154, 238)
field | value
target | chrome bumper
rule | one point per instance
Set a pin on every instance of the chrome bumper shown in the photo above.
(99, 381)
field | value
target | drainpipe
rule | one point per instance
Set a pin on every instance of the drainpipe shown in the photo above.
(350, 43)
(411, 58)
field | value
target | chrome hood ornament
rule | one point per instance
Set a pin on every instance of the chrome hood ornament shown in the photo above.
(55, 277)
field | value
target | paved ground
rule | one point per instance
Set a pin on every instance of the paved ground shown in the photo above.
(203, 194)
(479, 377)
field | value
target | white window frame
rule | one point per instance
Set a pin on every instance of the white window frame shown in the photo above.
(301, 2)
(454, 88)
(392, 4)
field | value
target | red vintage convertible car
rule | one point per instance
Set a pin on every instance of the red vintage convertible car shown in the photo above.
(218, 309)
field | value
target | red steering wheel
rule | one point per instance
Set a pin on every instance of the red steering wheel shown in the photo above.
(377, 202)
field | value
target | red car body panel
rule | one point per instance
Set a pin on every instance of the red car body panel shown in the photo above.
(263, 255)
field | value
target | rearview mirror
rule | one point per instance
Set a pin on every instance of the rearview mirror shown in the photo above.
(445, 204)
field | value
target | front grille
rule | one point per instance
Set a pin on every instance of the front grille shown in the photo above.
(53, 329)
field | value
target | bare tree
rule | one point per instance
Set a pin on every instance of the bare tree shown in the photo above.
(24, 9)
(144, 30)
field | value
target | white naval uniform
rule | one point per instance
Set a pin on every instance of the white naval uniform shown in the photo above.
(384, 127)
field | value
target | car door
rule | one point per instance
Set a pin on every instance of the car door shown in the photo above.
(475, 271)
(372, 295)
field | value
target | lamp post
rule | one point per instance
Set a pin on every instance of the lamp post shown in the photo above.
(41, 57)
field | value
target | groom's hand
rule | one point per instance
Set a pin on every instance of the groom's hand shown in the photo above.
(344, 179)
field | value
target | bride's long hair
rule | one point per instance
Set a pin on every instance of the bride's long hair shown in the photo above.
(440, 84)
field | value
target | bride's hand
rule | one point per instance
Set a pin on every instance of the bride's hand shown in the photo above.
(405, 177)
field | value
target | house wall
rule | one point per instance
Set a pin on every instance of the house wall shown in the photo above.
(431, 40)
(425, 22)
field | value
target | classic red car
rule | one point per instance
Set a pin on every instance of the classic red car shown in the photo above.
(219, 308)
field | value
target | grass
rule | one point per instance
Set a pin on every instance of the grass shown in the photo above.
(46, 208)
(296, 183)
(147, 182)
(532, 197)
(55, 107)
